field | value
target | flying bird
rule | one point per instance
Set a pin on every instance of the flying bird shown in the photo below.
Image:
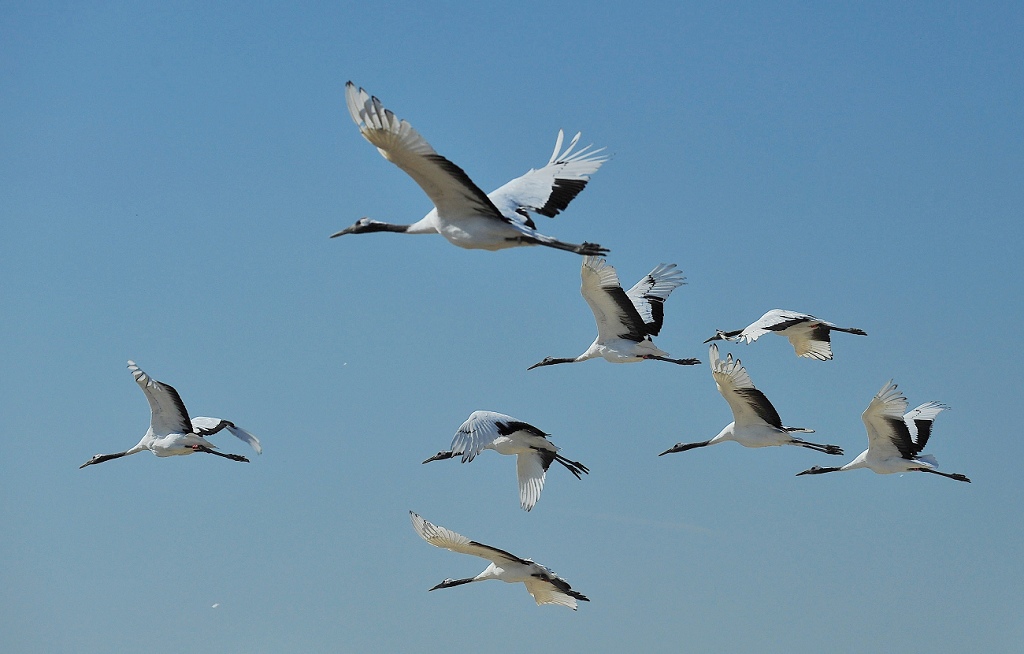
(541, 582)
(755, 423)
(895, 439)
(463, 213)
(487, 430)
(626, 320)
(171, 432)
(809, 335)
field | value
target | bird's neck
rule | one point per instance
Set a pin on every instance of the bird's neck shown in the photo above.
(425, 225)
(860, 462)
(727, 434)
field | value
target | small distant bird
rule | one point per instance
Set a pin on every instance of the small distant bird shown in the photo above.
(487, 430)
(170, 432)
(463, 213)
(809, 335)
(755, 423)
(545, 586)
(895, 439)
(626, 320)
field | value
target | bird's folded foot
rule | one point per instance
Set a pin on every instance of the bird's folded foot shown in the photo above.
(833, 449)
(960, 477)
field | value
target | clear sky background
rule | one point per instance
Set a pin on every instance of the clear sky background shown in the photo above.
(169, 176)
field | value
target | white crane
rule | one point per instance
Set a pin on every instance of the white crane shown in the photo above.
(488, 430)
(809, 335)
(170, 432)
(545, 586)
(895, 439)
(463, 213)
(626, 320)
(755, 423)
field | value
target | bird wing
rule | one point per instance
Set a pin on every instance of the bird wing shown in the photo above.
(530, 470)
(919, 422)
(749, 405)
(813, 341)
(207, 426)
(450, 189)
(482, 428)
(169, 415)
(449, 540)
(649, 294)
(550, 189)
(614, 311)
(553, 590)
(888, 434)
(773, 321)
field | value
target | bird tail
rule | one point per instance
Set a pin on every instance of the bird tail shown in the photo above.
(929, 459)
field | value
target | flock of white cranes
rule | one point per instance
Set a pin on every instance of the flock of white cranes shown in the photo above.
(626, 323)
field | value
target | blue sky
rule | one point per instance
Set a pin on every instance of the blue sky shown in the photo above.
(170, 175)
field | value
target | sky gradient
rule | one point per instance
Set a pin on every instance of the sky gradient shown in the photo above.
(168, 181)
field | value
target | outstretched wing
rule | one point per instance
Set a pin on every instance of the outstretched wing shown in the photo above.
(449, 540)
(888, 435)
(482, 428)
(614, 311)
(169, 415)
(553, 590)
(450, 189)
(207, 426)
(749, 405)
(649, 295)
(550, 189)
(531, 468)
(919, 422)
(773, 321)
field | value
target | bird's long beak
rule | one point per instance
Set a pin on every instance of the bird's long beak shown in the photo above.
(440, 456)
(805, 472)
(347, 230)
(716, 337)
(674, 448)
(87, 463)
(539, 363)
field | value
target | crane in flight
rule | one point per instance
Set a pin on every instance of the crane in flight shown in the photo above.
(171, 432)
(755, 423)
(541, 582)
(488, 430)
(808, 335)
(895, 439)
(463, 213)
(626, 320)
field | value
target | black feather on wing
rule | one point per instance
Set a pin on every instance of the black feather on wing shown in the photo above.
(761, 406)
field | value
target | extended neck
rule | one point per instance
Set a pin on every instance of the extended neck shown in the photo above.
(448, 583)
(440, 456)
(682, 447)
(100, 458)
(724, 335)
(550, 361)
(818, 470)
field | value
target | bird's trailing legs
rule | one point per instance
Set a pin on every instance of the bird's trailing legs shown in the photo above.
(682, 362)
(952, 475)
(233, 457)
(827, 449)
